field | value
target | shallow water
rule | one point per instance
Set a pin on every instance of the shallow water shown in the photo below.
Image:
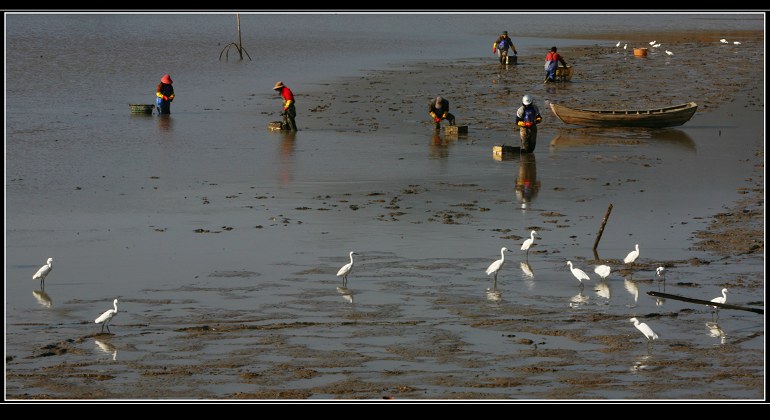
(250, 307)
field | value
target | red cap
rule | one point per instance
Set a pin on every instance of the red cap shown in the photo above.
(166, 79)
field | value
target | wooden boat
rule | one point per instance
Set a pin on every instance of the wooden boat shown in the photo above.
(653, 118)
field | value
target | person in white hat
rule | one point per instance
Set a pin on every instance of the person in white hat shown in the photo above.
(438, 109)
(289, 112)
(527, 118)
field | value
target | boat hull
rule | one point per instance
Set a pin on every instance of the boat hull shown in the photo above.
(651, 118)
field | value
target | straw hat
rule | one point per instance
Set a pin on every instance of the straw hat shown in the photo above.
(278, 85)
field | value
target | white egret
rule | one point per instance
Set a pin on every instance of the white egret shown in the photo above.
(497, 265)
(618, 44)
(632, 256)
(578, 273)
(661, 272)
(656, 46)
(669, 52)
(653, 42)
(43, 272)
(720, 299)
(345, 270)
(645, 329)
(528, 243)
(625, 46)
(724, 41)
(736, 42)
(603, 271)
(106, 317)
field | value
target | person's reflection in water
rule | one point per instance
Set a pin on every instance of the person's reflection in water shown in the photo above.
(165, 122)
(42, 298)
(527, 185)
(286, 156)
(439, 147)
(347, 294)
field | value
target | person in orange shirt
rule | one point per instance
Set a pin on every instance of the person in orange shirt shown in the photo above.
(164, 95)
(289, 112)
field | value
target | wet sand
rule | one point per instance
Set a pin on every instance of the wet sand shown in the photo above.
(432, 333)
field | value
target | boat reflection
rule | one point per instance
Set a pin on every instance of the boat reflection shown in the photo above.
(107, 347)
(347, 294)
(622, 136)
(42, 298)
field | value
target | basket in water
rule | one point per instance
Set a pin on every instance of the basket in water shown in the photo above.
(141, 108)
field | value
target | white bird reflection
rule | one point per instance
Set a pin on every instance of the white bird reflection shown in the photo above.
(346, 293)
(602, 290)
(42, 298)
(640, 363)
(527, 275)
(494, 294)
(107, 348)
(633, 289)
(716, 332)
(578, 300)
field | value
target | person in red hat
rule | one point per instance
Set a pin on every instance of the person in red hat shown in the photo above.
(289, 112)
(165, 95)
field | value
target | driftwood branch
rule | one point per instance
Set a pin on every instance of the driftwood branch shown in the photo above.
(601, 229)
(706, 302)
(238, 46)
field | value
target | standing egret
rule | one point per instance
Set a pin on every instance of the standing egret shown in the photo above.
(578, 273)
(661, 272)
(720, 299)
(345, 270)
(669, 52)
(724, 41)
(528, 243)
(653, 42)
(497, 265)
(625, 46)
(43, 272)
(645, 329)
(618, 44)
(603, 271)
(632, 256)
(656, 45)
(106, 317)
(737, 42)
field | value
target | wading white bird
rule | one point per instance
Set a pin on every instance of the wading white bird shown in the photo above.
(602, 270)
(736, 42)
(661, 272)
(43, 272)
(618, 44)
(578, 273)
(645, 329)
(345, 270)
(632, 256)
(669, 52)
(724, 41)
(497, 265)
(653, 42)
(721, 299)
(528, 243)
(106, 317)
(656, 46)
(625, 46)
